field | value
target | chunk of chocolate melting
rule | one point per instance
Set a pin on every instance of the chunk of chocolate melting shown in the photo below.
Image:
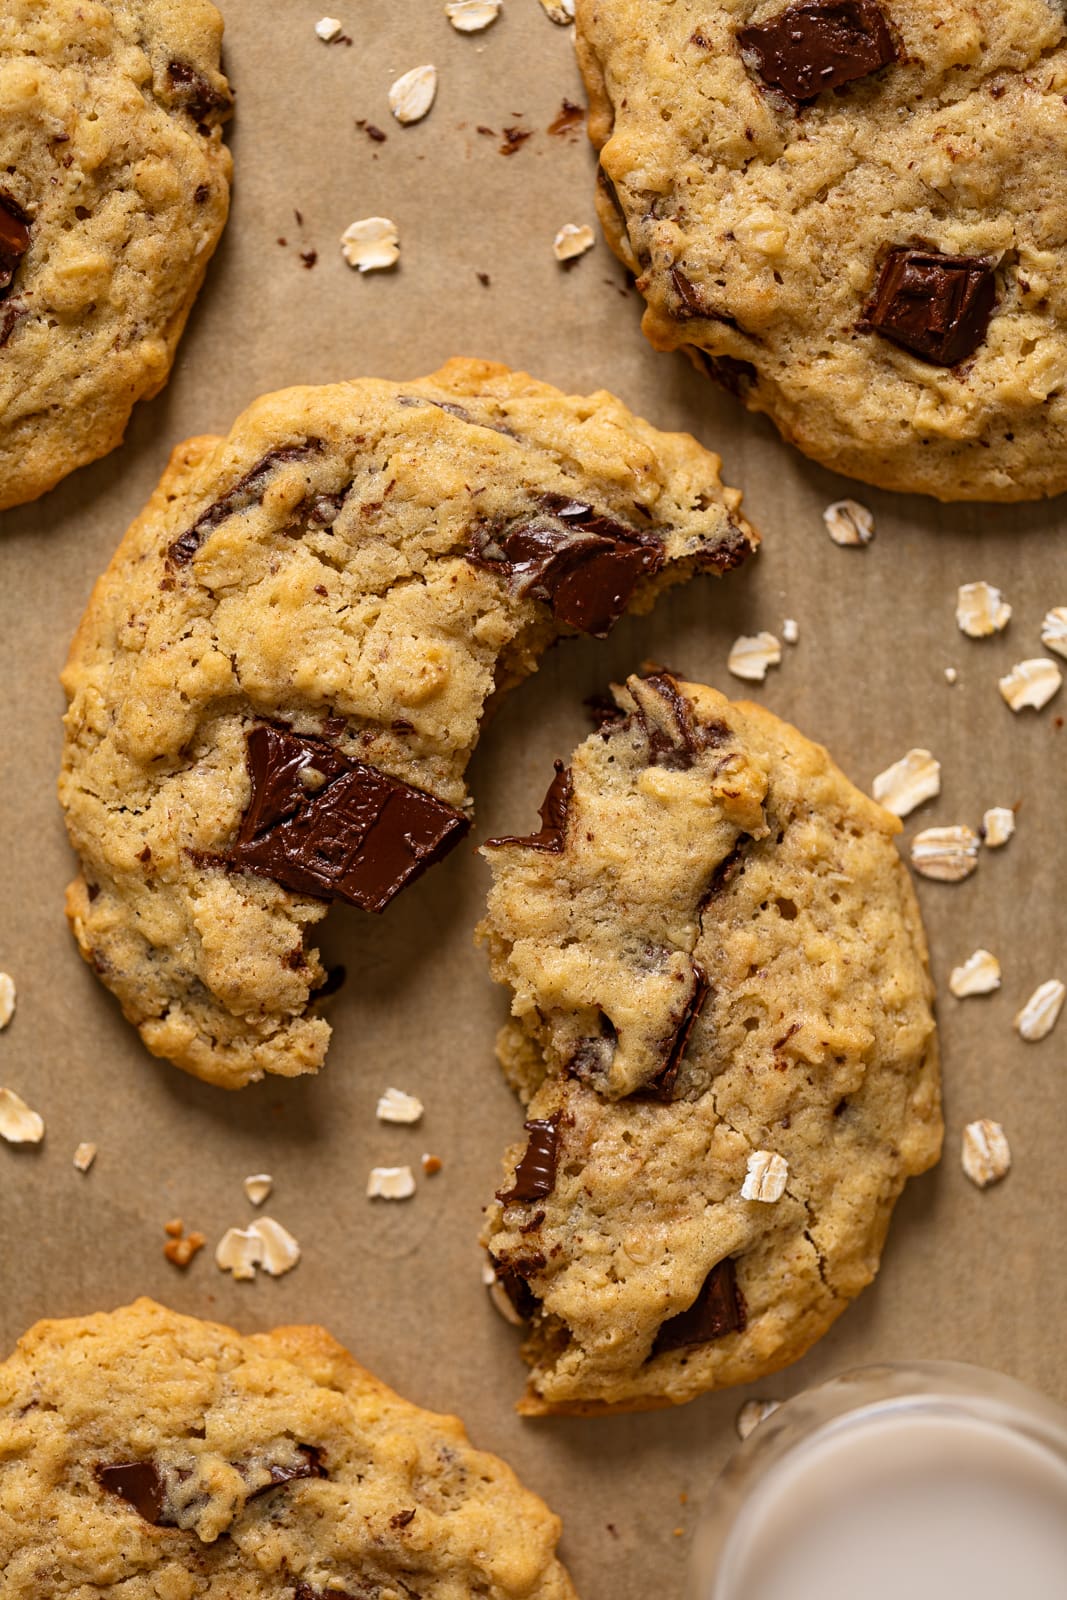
(934, 305)
(535, 1175)
(512, 1278)
(323, 825)
(665, 1080)
(718, 1309)
(819, 44)
(582, 563)
(309, 1466)
(139, 1483)
(14, 240)
(553, 814)
(675, 735)
(247, 491)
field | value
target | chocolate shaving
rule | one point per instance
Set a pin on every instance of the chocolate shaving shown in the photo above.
(553, 814)
(360, 835)
(936, 306)
(139, 1483)
(535, 1175)
(14, 240)
(718, 1309)
(568, 117)
(247, 491)
(665, 1080)
(196, 95)
(400, 1519)
(818, 45)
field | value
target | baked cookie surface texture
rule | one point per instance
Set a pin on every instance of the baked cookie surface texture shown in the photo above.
(851, 213)
(723, 1037)
(114, 189)
(279, 681)
(151, 1456)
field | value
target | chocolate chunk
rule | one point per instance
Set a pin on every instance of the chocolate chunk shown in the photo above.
(665, 1080)
(139, 1483)
(735, 376)
(13, 315)
(675, 736)
(691, 303)
(323, 825)
(247, 491)
(400, 1519)
(718, 1309)
(936, 306)
(553, 814)
(309, 1466)
(512, 1277)
(730, 867)
(535, 1175)
(819, 44)
(581, 562)
(593, 1057)
(14, 240)
(195, 94)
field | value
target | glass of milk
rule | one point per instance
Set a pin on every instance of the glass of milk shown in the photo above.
(925, 1482)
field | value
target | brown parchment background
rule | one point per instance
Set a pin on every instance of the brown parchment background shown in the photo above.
(970, 1275)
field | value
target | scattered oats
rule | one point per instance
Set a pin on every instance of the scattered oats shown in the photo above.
(986, 1157)
(181, 1251)
(471, 16)
(7, 998)
(849, 523)
(328, 28)
(752, 1413)
(279, 1250)
(431, 1164)
(488, 1275)
(411, 96)
(765, 1176)
(951, 675)
(239, 1251)
(396, 1106)
(998, 825)
(572, 241)
(391, 1183)
(1031, 683)
(751, 655)
(1038, 1016)
(84, 1157)
(979, 974)
(257, 1187)
(371, 244)
(561, 11)
(790, 630)
(949, 854)
(908, 782)
(1054, 630)
(18, 1124)
(981, 610)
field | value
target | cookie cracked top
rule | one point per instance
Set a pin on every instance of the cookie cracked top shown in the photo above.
(114, 189)
(145, 1454)
(850, 213)
(279, 681)
(728, 1062)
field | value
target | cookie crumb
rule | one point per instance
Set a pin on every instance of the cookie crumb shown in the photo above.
(790, 630)
(986, 1156)
(174, 1228)
(1030, 684)
(572, 241)
(18, 1124)
(181, 1251)
(979, 974)
(1039, 1015)
(998, 825)
(751, 1414)
(471, 16)
(84, 1156)
(431, 1164)
(947, 854)
(390, 1183)
(371, 244)
(765, 1176)
(327, 29)
(257, 1187)
(849, 523)
(397, 1106)
(752, 654)
(1054, 630)
(981, 609)
(7, 998)
(412, 94)
(910, 781)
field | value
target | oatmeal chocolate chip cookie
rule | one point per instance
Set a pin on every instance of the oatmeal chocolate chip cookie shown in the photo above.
(728, 1059)
(146, 1455)
(279, 681)
(850, 212)
(113, 193)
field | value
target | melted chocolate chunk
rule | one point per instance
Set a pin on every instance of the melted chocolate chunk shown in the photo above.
(718, 1309)
(323, 825)
(730, 867)
(512, 1277)
(675, 736)
(735, 376)
(936, 306)
(592, 1057)
(139, 1483)
(14, 240)
(309, 1466)
(553, 814)
(691, 302)
(195, 94)
(583, 564)
(665, 1081)
(535, 1175)
(247, 491)
(819, 44)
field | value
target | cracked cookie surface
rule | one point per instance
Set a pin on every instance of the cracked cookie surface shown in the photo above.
(114, 191)
(158, 1457)
(279, 681)
(762, 215)
(715, 954)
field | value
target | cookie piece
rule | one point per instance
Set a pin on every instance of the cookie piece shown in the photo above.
(146, 1454)
(278, 683)
(848, 212)
(722, 1032)
(114, 192)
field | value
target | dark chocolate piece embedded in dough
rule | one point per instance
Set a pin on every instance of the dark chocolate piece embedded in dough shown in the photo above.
(139, 1483)
(322, 825)
(936, 306)
(247, 491)
(535, 1175)
(14, 240)
(308, 1466)
(664, 1082)
(819, 44)
(553, 814)
(718, 1309)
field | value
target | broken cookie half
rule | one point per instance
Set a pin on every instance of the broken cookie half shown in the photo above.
(280, 679)
(722, 1032)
